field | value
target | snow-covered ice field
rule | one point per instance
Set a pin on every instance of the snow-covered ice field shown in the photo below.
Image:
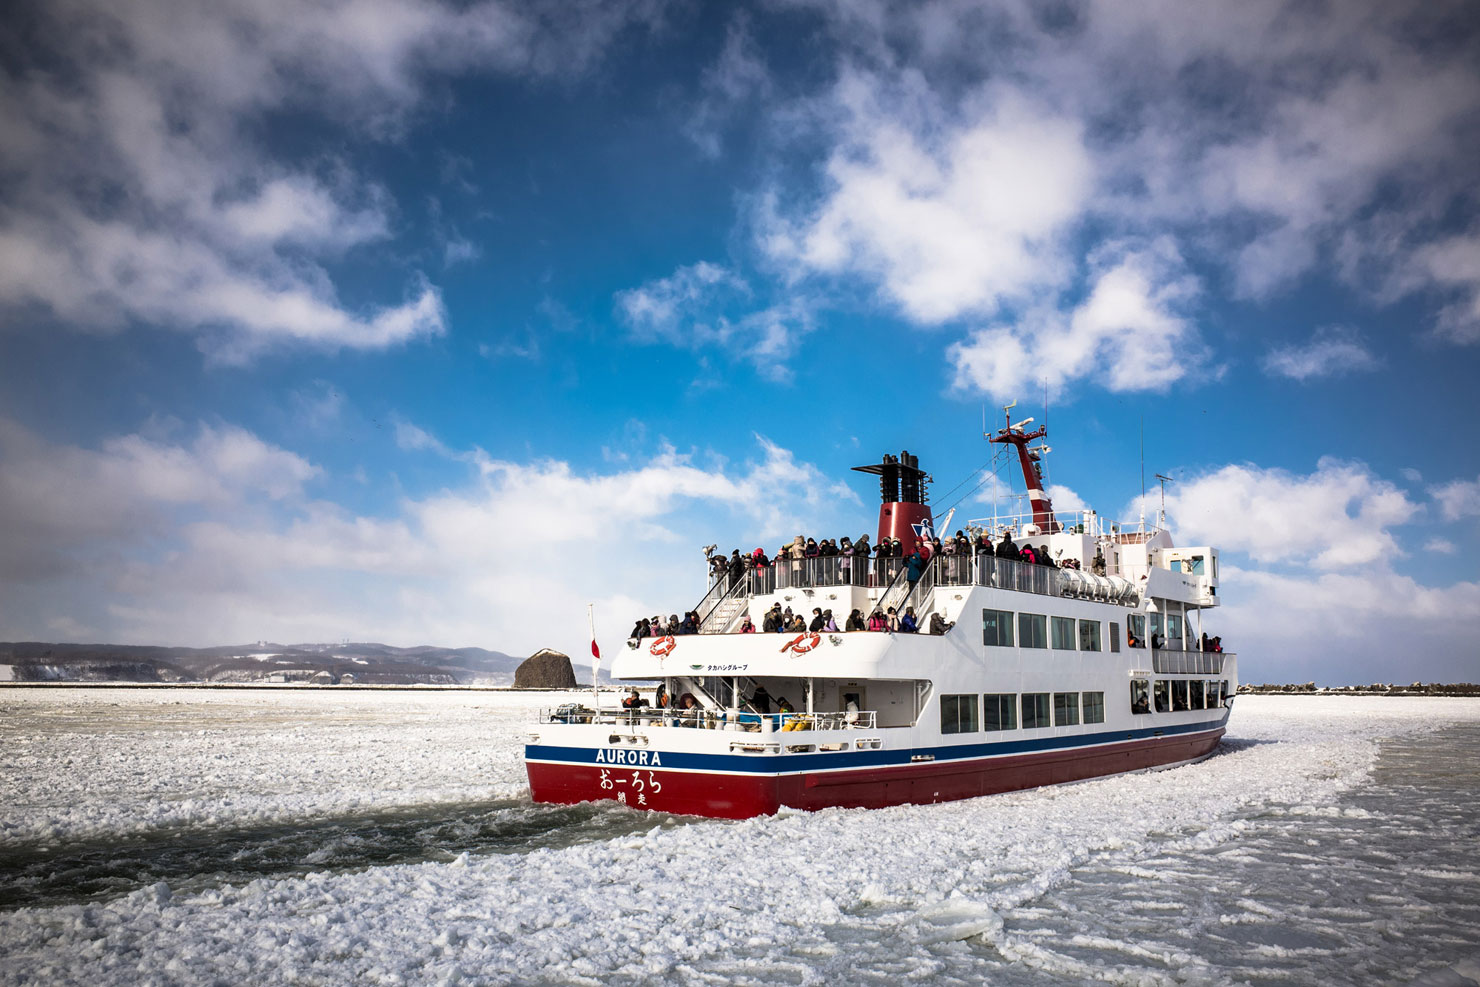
(189, 837)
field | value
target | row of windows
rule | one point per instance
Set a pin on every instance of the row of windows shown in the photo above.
(1036, 630)
(999, 710)
(1176, 695)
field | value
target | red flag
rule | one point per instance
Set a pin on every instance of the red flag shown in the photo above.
(595, 651)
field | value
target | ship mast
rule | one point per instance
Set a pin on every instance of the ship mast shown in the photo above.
(1015, 434)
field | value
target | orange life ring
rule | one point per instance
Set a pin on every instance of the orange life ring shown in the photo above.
(663, 646)
(797, 646)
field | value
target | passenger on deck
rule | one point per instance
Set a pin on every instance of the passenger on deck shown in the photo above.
(746, 626)
(914, 568)
(1132, 641)
(737, 568)
(1028, 554)
(855, 621)
(690, 624)
(1044, 558)
(829, 626)
(641, 630)
(938, 623)
(783, 706)
(760, 700)
(771, 622)
(907, 623)
(817, 621)
(876, 622)
(688, 710)
(798, 624)
(660, 697)
(1006, 549)
(672, 627)
(891, 620)
(634, 701)
(1098, 565)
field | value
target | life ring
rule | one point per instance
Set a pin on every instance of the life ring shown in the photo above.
(663, 646)
(802, 643)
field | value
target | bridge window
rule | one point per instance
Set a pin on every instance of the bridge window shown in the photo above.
(997, 628)
(1089, 635)
(1066, 709)
(1032, 630)
(1162, 697)
(1000, 711)
(1094, 706)
(1063, 633)
(1140, 696)
(958, 714)
(1035, 710)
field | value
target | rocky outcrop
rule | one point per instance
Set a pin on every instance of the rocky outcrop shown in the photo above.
(545, 669)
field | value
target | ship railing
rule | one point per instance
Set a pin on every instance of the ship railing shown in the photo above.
(711, 719)
(1169, 662)
(825, 571)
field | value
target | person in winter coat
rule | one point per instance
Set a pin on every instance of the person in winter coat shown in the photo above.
(829, 626)
(817, 620)
(641, 630)
(891, 620)
(907, 623)
(876, 622)
(855, 621)
(914, 568)
(746, 626)
(938, 623)
(1006, 549)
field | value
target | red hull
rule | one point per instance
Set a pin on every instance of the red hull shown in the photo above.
(739, 796)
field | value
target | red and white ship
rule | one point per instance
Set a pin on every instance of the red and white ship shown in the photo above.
(1045, 675)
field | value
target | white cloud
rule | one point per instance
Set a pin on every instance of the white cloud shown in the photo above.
(138, 193)
(1330, 352)
(1454, 264)
(688, 308)
(1441, 546)
(1338, 517)
(1271, 136)
(507, 560)
(1458, 499)
(1129, 334)
(949, 219)
(737, 77)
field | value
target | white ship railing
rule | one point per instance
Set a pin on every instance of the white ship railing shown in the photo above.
(1169, 662)
(711, 719)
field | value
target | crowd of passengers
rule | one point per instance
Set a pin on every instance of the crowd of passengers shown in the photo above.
(783, 621)
(734, 566)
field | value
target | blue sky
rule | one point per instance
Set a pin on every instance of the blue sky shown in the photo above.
(431, 323)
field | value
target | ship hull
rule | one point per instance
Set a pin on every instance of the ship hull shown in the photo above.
(734, 790)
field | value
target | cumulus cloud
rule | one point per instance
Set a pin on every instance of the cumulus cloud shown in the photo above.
(1458, 499)
(709, 305)
(1271, 136)
(138, 193)
(1130, 333)
(1340, 516)
(211, 539)
(948, 221)
(1330, 352)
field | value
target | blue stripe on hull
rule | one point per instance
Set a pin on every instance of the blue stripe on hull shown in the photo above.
(770, 764)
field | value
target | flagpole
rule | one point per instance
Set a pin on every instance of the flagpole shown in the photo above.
(595, 657)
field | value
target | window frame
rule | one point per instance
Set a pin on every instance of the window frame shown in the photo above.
(958, 703)
(1161, 696)
(1196, 695)
(1055, 625)
(1042, 709)
(1134, 622)
(1092, 625)
(1179, 696)
(1145, 685)
(998, 626)
(1002, 701)
(1038, 624)
(1086, 705)
(1067, 704)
